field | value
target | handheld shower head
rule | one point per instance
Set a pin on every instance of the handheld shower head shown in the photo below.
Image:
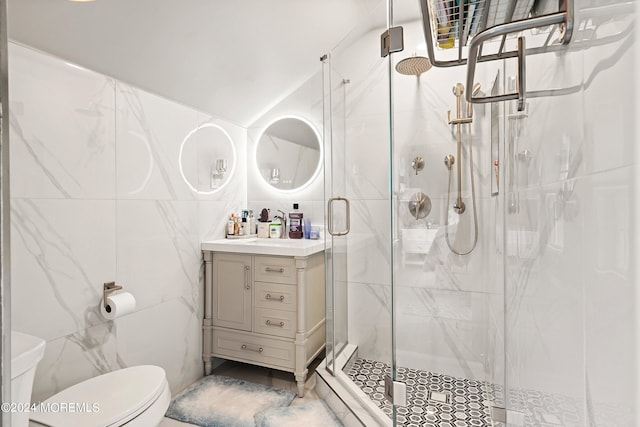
(474, 92)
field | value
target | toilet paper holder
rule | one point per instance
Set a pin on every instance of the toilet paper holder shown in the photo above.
(107, 289)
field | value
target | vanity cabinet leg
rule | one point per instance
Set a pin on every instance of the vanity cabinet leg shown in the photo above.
(207, 339)
(301, 313)
(300, 379)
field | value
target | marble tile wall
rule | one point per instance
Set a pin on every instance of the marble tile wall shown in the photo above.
(571, 329)
(109, 182)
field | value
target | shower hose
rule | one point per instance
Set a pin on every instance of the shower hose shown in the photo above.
(473, 198)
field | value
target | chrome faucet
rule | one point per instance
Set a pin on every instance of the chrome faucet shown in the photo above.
(283, 221)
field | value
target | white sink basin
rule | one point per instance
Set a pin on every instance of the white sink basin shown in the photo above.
(284, 247)
(279, 242)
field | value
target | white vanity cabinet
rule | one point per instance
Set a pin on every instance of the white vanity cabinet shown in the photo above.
(264, 309)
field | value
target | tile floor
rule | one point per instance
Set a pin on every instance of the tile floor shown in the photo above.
(264, 376)
(441, 400)
(433, 399)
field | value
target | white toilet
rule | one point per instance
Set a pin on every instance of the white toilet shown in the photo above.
(26, 352)
(138, 396)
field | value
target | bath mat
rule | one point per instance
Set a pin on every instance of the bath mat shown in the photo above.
(218, 401)
(313, 414)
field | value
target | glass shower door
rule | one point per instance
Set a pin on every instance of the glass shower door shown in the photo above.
(357, 198)
(337, 212)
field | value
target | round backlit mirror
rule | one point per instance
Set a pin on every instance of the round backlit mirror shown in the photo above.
(289, 153)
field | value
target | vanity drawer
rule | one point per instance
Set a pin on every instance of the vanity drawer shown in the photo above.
(274, 322)
(275, 296)
(275, 270)
(266, 350)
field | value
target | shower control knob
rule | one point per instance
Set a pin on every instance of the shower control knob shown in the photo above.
(419, 205)
(417, 164)
(459, 207)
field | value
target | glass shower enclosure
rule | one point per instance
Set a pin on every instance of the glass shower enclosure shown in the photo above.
(537, 322)
(406, 315)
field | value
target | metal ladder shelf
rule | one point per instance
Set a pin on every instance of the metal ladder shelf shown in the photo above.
(563, 19)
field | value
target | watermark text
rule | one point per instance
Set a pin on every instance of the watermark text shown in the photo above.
(52, 407)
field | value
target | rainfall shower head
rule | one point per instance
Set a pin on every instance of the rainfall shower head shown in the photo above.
(413, 66)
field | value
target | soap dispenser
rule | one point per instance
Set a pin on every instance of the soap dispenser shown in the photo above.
(295, 223)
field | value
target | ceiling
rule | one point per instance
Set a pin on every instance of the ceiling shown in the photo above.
(232, 58)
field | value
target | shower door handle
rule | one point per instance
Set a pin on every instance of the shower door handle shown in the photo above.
(330, 216)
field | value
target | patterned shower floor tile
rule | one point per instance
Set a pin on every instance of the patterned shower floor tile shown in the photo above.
(440, 400)
(432, 399)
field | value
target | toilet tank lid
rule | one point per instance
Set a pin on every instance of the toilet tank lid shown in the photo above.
(104, 400)
(26, 352)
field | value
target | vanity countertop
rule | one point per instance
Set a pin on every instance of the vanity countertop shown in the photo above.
(255, 246)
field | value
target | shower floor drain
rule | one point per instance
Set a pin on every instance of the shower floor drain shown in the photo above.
(436, 396)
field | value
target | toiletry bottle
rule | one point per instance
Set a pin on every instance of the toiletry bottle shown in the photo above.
(252, 223)
(295, 223)
(230, 229)
(307, 228)
(244, 227)
(275, 230)
(236, 226)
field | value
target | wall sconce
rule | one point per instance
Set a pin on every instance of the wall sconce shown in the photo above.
(217, 172)
(275, 176)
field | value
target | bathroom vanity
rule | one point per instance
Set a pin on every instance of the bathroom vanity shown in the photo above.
(264, 303)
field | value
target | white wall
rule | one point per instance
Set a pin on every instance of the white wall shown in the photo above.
(97, 196)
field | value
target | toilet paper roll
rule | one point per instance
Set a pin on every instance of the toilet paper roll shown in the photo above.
(118, 305)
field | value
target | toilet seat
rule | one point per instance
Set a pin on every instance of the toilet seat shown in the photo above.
(120, 395)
